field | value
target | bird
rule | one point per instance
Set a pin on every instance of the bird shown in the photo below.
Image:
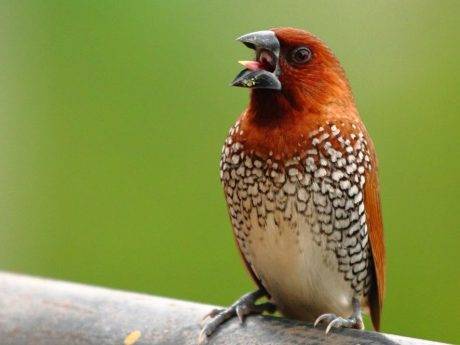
(300, 179)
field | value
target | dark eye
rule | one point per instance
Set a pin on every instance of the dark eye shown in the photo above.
(301, 55)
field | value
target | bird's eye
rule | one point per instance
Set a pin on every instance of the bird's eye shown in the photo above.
(301, 55)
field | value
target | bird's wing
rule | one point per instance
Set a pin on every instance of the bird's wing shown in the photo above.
(375, 231)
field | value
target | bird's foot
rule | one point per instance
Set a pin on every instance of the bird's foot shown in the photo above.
(334, 321)
(241, 308)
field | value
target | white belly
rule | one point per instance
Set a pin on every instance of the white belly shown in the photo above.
(301, 276)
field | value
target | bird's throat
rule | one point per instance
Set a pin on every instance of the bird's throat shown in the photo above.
(273, 125)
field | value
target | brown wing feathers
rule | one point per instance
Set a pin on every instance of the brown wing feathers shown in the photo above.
(375, 231)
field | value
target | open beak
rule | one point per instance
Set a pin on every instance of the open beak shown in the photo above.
(263, 72)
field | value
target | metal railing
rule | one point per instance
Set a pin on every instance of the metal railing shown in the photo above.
(40, 311)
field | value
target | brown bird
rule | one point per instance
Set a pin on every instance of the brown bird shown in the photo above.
(299, 172)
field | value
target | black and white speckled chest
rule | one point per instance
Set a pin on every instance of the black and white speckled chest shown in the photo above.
(301, 224)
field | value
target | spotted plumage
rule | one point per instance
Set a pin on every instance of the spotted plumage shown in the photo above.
(322, 189)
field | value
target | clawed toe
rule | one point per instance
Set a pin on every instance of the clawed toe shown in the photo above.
(241, 312)
(327, 318)
(334, 321)
(216, 320)
(211, 314)
(241, 308)
(337, 323)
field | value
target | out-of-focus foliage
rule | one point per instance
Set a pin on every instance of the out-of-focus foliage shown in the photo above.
(112, 116)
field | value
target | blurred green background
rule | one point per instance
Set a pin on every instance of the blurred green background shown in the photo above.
(112, 117)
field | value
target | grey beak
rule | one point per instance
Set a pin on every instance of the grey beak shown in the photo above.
(260, 78)
(261, 40)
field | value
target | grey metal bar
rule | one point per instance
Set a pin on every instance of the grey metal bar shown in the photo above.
(40, 311)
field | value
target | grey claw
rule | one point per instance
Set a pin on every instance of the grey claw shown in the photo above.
(203, 338)
(241, 308)
(328, 317)
(215, 322)
(241, 312)
(211, 314)
(334, 323)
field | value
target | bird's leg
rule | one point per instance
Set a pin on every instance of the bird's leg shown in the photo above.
(242, 307)
(332, 320)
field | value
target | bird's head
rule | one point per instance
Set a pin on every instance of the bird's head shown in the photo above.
(293, 71)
